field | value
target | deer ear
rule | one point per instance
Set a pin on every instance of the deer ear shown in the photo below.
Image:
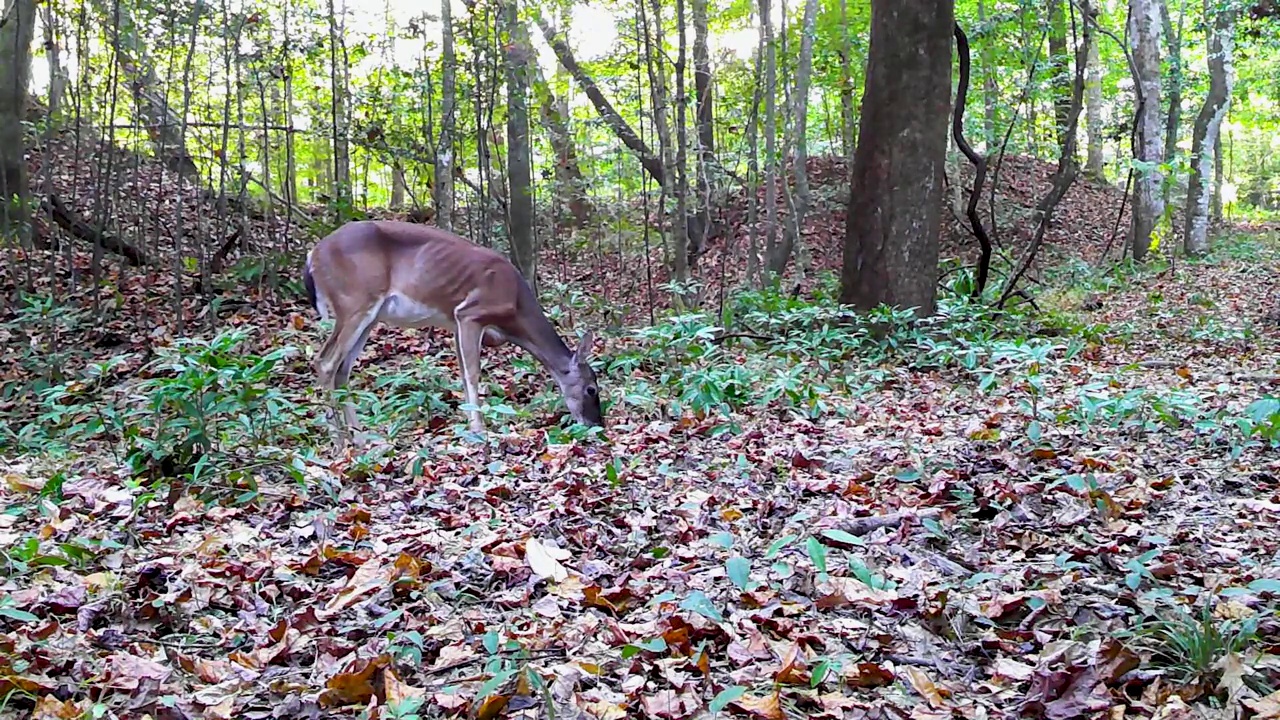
(583, 353)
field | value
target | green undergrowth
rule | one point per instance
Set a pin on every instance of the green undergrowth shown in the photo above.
(213, 412)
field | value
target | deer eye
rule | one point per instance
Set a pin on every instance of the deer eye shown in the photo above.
(591, 391)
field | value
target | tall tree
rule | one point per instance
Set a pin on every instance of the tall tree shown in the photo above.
(894, 217)
(338, 85)
(1093, 114)
(800, 154)
(17, 28)
(1060, 69)
(706, 128)
(1148, 205)
(444, 154)
(990, 93)
(519, 163)
(1220, 17)
(1173, 48)
(770, 131)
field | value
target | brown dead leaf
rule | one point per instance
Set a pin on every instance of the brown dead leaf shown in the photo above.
(793, 667)
(1265, 708)
(492, 706)
(670, 705)
(764, 708)
(51, 708)
(128, 672)
(355, 685)
(924, 686)
(372, 575)
(868, 674)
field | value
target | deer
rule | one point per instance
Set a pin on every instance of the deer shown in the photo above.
(416, 276)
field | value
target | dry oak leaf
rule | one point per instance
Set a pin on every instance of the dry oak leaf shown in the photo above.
(925, 686)
(761, 708)
(670, 705)
(544, 559)
(128, 671)
(373, 574)
(1265, 708)
(355, 686)
(843, 592)
(51, 708)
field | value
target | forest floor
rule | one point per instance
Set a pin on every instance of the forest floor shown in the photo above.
(1060, 514)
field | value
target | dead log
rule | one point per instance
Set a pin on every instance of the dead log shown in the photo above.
(70, 221)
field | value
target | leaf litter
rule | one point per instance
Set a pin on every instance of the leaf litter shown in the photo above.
(916, 553)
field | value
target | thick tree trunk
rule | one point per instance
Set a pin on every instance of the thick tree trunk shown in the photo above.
(680, 240)
(800, 202)
(1215, 214)
(290, 186)
(442, 189)
(1093, 166)
(1148, 205)
(16, 33)
(891, 240)
(397, 185)
(519, 165)
(1209, 125)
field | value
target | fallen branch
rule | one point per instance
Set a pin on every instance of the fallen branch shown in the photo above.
(871, 523)
(68, 220)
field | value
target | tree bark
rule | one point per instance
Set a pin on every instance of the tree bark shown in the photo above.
(990, 93)
(164, 126)
(1148, 205)
(554, 113)
(1221, 22)
(1093, 166)
(1173, 46)
(846, 81)
(706, 131)
(519, 165)
(770, 133)
(677, 242)
(1059, 59)
(338, 107)
(16, 35)
(800, 155)
(894, 217)
(442, 189)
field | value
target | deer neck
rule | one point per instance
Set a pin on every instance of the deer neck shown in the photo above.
(536, 334)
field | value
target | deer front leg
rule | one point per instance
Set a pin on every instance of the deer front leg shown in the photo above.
(469, 337)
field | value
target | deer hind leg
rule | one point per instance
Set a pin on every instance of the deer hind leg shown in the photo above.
(333, 366)
(469, 338)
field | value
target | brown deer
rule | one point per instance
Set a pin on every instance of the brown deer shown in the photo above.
(417, 276)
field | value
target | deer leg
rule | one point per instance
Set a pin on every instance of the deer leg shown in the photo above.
(469, 337)
(344, 374)
(325, 371)
(334, 367)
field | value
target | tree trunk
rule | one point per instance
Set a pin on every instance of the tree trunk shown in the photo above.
(1059, 65)
(519, 166)
(770, 133)
(1148, 206)
(846, 82)
(651, 162)
(894, 217)
(1093, 166)
(290, 186)
(706, 130)
(554, 113)
(1215, 215)
(57, 73)
(16, 33)
(800, 206)
(163, 123)
(1209, 125)
(680, 239)
(676, 254)
(397, 185)
(990, 93)
(442, 190)
(1173, 46)
(338, 107)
